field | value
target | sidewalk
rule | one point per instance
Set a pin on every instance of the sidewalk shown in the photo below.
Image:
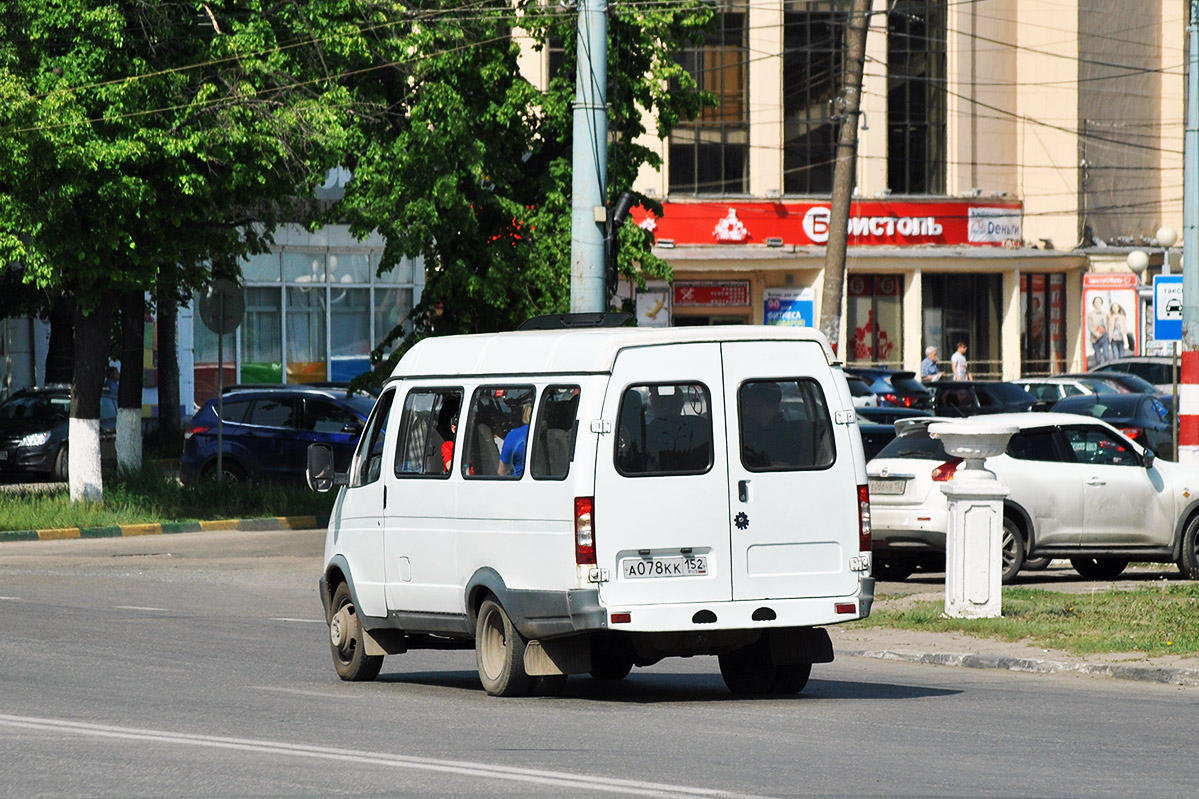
(966, 651)
(170, 528)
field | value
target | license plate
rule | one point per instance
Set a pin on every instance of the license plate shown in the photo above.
(640, 568)
(888, 486)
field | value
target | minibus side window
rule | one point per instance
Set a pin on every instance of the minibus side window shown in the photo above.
(664, 428)
(425, 447)
(370, 448)
(497, 432)
(554, 436)
(785, 425)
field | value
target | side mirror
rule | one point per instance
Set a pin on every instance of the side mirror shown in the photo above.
(1149, 459)
(321, 473)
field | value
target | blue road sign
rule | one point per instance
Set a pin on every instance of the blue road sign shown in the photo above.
(1167, 307)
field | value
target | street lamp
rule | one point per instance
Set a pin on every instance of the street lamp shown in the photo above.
(1166, 237)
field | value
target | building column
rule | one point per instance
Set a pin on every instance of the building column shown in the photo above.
(913, 321)
(766, 99)
(1010, 353)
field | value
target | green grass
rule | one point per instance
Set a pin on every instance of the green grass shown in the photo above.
(150, 496)
(1157, 620)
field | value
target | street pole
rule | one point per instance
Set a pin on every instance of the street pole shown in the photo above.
(844, 172)
(1188, 398)
(589, 161)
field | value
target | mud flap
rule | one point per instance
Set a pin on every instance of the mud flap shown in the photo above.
(800, 645)
(558, 656)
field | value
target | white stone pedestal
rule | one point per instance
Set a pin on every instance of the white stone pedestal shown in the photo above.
(974, 539)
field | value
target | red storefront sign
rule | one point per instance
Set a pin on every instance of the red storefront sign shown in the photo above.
(877, 223)
(711, 293)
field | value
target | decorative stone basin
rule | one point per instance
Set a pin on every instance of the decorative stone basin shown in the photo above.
(973, 440)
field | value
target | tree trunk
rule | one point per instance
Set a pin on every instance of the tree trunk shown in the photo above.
(169, 421)
(129, 396)
(60, 355)
(844, 174)
(92, 331)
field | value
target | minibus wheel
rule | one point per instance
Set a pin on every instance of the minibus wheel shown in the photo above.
(500, 652)
(346, 640)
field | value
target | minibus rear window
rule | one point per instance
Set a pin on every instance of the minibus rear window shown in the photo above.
(664, 429)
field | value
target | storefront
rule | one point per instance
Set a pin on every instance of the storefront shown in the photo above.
(917, 274)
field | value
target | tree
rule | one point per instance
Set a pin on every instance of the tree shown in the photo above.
(138, 137)
(460, 160)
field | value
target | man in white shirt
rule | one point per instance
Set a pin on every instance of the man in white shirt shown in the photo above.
(961, 369)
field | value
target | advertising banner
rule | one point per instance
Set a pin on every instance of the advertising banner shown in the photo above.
(1109, 316)
(790, 307)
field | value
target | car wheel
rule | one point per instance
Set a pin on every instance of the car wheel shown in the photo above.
(346, 640)
(500, 652)
(1188, 562)
(748, 670)
(1099, 568)
(893, 570)
(62, 462)
(1036, 564)
(1013, 550)
(231, 472)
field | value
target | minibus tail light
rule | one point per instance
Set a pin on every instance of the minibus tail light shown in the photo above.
(864, 537)
(584, 531)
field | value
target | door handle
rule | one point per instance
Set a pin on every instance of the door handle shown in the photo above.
(743, 490)
(1095, 481)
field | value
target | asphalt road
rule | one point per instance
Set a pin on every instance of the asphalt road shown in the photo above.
(197, 666)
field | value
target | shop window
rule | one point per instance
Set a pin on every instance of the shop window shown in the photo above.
(875, 320)
(306, 334)
(965, 308)
(349, 332)
(262, 336)
(1042, 329)
(813, 77)
(302, 267)
(916, 96)
(710, 154)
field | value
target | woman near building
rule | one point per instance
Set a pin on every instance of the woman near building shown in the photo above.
(1117, 331)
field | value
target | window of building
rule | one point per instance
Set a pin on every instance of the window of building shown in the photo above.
(664, 428)
(554, 436)
(916, 96)
(310, 317)
(425, 445)
(965, 308)
(498, 432)
(813, 77)
(875, 320)
(710, 154)
(1042, 332)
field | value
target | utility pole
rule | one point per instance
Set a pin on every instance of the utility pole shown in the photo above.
(1188, 396)
(589, 162)
(845, 171)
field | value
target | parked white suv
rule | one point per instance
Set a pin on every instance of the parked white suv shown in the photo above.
(1079, 490)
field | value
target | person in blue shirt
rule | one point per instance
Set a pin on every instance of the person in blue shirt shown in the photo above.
(512, 454)
(929, 371)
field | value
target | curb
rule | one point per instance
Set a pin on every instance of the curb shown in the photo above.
(169, 528)
(1120, 671)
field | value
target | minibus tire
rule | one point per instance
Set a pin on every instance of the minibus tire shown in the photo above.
(749, 670)
(790, 678)
(349, 654)
(500, 652)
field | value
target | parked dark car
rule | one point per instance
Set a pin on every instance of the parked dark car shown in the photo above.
(1123, 381)
(974, 397)
(893, 387)
(889, 414)
(1157, 369)
(266, 432)
(34, 424)
(1143, 418)
(877, 425)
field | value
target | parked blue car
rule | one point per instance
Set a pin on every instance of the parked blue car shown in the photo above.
(267, 430)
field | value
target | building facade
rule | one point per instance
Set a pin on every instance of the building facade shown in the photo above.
(1006, 149)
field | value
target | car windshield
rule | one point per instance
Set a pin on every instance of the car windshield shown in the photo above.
(36, 407)
(915, 444)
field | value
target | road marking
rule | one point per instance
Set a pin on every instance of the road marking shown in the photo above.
(301, 621)
(320, 694)
(139, 607)
(573, 781)
(12, 598)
